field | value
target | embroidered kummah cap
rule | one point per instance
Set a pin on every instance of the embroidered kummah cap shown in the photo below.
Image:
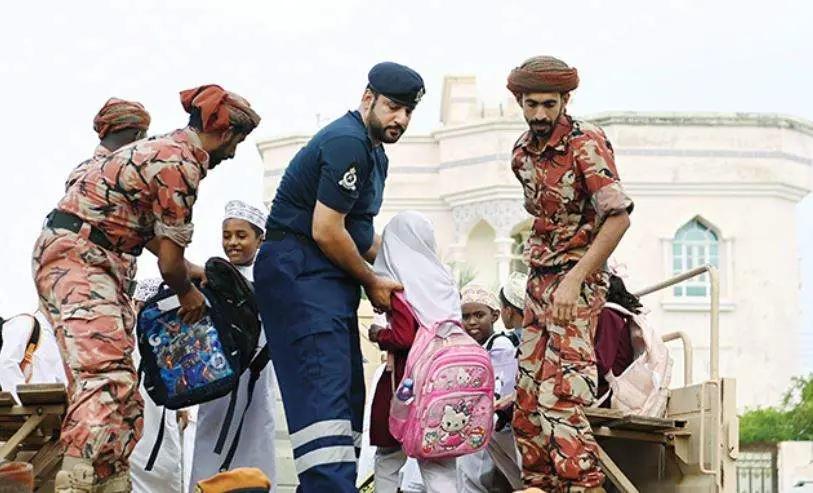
(237, 209)
(475, 293)
(147, 288)
(514, 290)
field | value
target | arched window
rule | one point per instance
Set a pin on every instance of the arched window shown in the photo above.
(695, 245)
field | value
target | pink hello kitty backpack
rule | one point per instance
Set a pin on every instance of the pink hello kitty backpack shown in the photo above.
(448, 409)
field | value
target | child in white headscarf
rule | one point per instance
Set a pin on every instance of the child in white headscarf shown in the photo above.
(408, 254)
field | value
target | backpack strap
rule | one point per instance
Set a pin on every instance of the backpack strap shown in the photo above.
(158, 441)
(255, 368)
(511, 336)
(33, 344)
(618, 308)
(30, 347)
(224, 430)
(417, 349)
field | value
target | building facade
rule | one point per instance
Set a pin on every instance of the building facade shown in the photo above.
(708, 188)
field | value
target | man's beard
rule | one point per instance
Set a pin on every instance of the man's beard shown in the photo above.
(389, 134)
(543, 129)
(217, 156)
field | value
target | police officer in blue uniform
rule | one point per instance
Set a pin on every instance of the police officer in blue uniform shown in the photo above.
(308, 276)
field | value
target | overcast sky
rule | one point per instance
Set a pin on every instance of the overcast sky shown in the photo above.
(298, 59)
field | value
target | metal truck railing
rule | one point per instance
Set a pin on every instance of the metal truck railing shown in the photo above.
(714, 356)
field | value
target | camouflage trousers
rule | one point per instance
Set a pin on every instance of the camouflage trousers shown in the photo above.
(82, 291)
(557, 377)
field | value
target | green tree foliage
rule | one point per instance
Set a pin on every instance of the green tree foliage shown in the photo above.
(464, 272)
(791, 420)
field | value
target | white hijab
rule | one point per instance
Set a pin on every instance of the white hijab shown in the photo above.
(408, 255)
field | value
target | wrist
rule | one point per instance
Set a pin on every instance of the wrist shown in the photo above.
(370, 279)
(576, 275)
(183, 288)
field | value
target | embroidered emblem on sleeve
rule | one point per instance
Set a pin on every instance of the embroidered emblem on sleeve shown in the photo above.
(349, 179)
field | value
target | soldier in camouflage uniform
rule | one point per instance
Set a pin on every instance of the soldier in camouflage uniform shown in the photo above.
(118, 123)
(141, 196)
(571, 186)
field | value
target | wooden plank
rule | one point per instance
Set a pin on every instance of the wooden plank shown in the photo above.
(46, 457)
(6, 400)
(42, 393)
(612, 418)
(641, 436)
(600, 416)
(57, 409)
(26, 429)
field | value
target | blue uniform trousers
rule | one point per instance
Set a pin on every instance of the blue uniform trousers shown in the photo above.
(308, 308)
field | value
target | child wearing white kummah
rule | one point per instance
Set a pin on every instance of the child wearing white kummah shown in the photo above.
(243, 233)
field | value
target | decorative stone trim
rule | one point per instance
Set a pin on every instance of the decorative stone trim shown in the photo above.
(502, 215)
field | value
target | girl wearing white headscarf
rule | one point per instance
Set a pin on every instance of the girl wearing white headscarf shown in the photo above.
(243, 232)
(408, 254)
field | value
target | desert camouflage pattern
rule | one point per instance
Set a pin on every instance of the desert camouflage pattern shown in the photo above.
(570, 186)
(82, 293)
(557, 376)
(101, 152)
(142, 190)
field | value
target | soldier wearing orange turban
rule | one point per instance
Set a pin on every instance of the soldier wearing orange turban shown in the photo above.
(117, 115)
(138, 197)
(221, 118)
(118, 123)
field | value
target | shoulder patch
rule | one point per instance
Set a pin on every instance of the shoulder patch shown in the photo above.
(350, 178)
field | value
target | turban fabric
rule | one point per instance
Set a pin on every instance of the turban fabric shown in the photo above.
(118, 114)
(219, 109)
(542, 74)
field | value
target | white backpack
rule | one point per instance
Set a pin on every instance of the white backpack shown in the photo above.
(643, 388)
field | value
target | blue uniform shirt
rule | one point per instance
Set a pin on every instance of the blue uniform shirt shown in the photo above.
(340, 168)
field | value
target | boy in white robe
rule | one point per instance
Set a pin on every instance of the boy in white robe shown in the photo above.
(166, 474)
(243, 232)
(21, 364)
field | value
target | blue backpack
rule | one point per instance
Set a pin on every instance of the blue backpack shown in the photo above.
(183, 365)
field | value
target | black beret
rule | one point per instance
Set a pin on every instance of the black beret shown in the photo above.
(398, 82)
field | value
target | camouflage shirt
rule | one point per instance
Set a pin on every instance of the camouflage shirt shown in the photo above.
(571, 185)
(142, 190)
(101, 152)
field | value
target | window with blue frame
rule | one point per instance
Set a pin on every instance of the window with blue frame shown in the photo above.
(695, 245)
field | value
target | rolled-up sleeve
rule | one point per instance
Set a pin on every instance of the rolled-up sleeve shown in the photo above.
(595, 160)
(175, 190)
